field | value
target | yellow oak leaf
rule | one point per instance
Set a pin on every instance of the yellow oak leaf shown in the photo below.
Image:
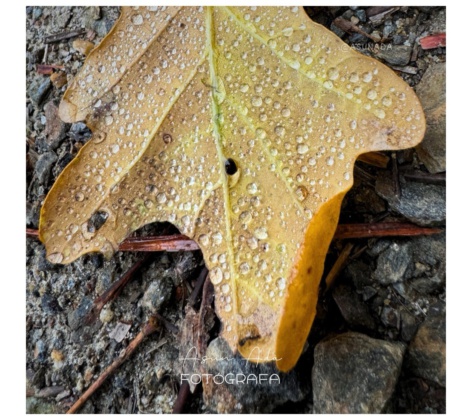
(239, 125)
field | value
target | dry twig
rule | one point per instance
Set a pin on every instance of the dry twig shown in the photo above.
(149, 328)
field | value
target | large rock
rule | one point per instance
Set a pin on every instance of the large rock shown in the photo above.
(432, 94)
(259, 390)
(354, 373)
(422, 204)
(427, 351)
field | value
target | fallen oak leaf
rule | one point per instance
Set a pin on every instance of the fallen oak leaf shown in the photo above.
(240, 126)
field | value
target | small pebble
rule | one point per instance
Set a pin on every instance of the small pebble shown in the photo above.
(106, 315)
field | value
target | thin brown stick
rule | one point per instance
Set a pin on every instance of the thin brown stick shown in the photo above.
(338, 265)
(422, 177)
(374, 230)
(113, 291)
(47, 68)
(63, 35)
(184, 392)
(344, 231)
(159, 243)
(198, 286)
(395, 174)
(32, 233)
(151, 326)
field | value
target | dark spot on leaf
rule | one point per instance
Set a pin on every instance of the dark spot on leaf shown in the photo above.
(167, 138)
(96, 221)
(230, 166)
(309, 270)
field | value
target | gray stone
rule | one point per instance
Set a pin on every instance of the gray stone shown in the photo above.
(247, 396)
(368, 292)
(393, 263)
(427, 351)
(36, 13)
(360, 273)
(390, 317)
(422, 204)
(61, 15)
(158, 293)
(101, 28)
(389, 30)
(361, 14)
(432, 94)
(38, 93)
(408, 326)
(32, 214)
(77, 317)
(397, 55)
(40, 406)
(353, 309)
(429, 271)
(43, 167)
(354, 373)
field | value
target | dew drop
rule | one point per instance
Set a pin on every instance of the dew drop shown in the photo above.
(281, 283)
(244, 268)
(203, 239)
(217, 238)
(137, 19)
(302, 149)
(301, 192)
(333, 73)
(286, 112)
(256, 101)
(261, 133)
(115, 148)
(79, 196)
(354, 78)
(386, 101)
(161, 198)
(367, 77)
(225, 288)
(280, 130)
(252, 243)
(371, 94)
(244, 88)
(261, 233)
(330, 161)
(215, 275)
(380, 113)
(227, 308)
(56, 258)
(251, 188)
(245, 217)
(99, 137)
(287, 31)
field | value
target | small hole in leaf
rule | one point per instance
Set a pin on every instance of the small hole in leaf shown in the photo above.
(167, 138)
(97, 220)
(230, 167)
